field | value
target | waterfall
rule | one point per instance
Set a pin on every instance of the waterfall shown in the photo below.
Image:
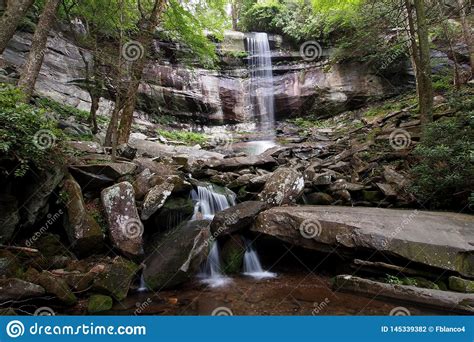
(252, 265)
(208, 202)
(142, 287)
(261, 81)
(211, 273)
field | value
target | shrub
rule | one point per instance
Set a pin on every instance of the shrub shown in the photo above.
(27, 136)
(188, 138)
(444, 176)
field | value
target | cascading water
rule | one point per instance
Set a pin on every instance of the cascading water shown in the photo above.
(142, 287)
(252, 265)
(261, 81)
(208, 202)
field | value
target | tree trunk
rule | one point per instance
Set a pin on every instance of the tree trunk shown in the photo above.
(32, 66)
(426, 85)
(10, 20)
(414, 54)
(147, 28)
(466, 30)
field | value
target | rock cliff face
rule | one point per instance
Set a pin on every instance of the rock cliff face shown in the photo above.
(211, 96)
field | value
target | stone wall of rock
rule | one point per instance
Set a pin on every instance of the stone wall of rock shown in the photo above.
(208, 96)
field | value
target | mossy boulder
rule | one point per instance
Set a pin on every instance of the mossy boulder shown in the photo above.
(461, 285)
(99, 303)
(50, 245)
(57, 287)
(52, 284)
(232, 254)
(115, 280)
(124, 225)
(84, 233)
(176, 256)
(174, 212)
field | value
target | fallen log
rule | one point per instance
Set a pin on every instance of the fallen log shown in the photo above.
(444, 300)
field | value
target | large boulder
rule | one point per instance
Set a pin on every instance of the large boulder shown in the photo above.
(156, 198)
(285, 186)
(115, 280)
(125, 227)
(438, 239)
(38, 190)
(236, 163)
(52, 285)
(93, 176)
(236, 218)
(177, 255)
(83, 231)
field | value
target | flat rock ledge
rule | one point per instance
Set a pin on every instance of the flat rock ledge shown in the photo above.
(437, 239)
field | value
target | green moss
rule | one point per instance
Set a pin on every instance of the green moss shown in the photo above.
(188, 138)
(63, 110)
(99, 303)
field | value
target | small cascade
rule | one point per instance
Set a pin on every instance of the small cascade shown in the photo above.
(261, 82)
(208, 202)
(252, 266)
(211, 273)
(142, 287)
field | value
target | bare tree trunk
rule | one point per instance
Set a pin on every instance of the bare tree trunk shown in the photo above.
(147, 27)
(10, 20)
(466, 30)
(426, 85)
(414, 54)
(32, 66)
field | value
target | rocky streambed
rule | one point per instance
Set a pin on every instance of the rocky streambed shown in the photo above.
(82, 238)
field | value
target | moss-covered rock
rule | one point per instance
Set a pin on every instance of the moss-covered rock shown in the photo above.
(232, 254)
(84, 233)
(115, 280)
(177, 255)
(99, 303)
(57, 287)
(461, 285)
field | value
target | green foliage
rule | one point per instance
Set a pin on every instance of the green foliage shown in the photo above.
(27, 136)
(446, 164)
(63, 110)
(260, 16)
(442, 83)
(309, 123)
(191, 23)
(188, 138)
